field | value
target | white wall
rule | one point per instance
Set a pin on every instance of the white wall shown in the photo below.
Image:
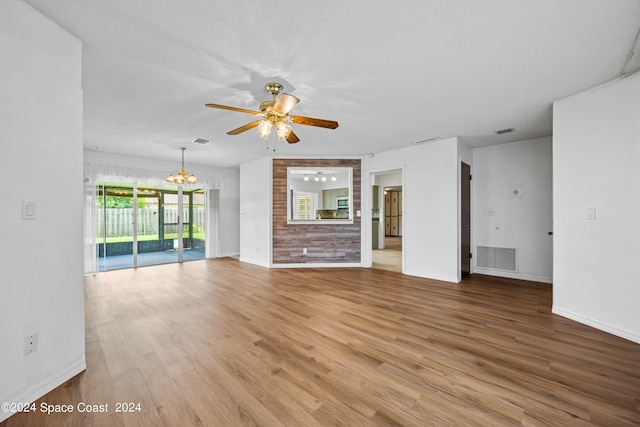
(389, 180)
(229, 194)
(596, 152)
(41, 289)
(500, 219)
(255, 211)
(430, 212)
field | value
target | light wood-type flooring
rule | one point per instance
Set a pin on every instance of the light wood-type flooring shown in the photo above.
(225, 343)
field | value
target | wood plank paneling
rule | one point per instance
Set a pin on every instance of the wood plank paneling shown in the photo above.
(226, 343)
(325, 243)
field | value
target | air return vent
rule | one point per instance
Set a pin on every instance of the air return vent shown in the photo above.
(503, 131)
(497, 258)
(201, 141)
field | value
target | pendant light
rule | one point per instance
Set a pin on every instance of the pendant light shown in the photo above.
(182, 175)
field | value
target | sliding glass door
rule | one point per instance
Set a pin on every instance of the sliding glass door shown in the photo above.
(146, 225)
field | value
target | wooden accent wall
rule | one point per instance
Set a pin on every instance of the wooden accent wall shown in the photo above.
(325, 243)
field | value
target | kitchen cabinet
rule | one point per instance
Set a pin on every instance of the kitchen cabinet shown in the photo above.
(374, 234)
(375, 217)
(330, 197)
(394, 226)
(393, 213)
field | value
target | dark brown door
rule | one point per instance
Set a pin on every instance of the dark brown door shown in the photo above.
(465, 217)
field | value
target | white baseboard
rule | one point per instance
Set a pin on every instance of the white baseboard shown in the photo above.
(614, 330)
(508, 275)
(38, 390)
(255, 262)
(439, 277)
(229, 255)
(317, 265)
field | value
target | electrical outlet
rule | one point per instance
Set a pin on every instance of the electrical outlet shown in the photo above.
(30, 344)
(304, 251)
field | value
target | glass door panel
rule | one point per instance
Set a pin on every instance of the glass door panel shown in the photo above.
(169, 227)
(197, 235)
(115, 228)
(186, 221)
(150, 248)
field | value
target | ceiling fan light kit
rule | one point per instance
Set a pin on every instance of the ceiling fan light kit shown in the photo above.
(283, 130)
(264, 128)
(275, 113)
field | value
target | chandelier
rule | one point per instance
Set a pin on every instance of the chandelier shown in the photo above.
(182, 175)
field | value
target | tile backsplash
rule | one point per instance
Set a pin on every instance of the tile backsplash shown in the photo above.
(332, 214)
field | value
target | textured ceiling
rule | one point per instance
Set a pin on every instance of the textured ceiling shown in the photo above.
(390, 72)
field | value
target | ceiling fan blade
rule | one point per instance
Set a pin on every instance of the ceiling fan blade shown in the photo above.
(309, 121)
(285, 103)
(292, 138)
(226, 107)
(244, 128)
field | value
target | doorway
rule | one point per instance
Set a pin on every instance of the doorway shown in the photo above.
(465, 220)
(390, 257)
(387, 221)
(141, 225)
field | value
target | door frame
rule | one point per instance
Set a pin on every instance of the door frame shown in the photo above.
(367, 204)
(466, 263)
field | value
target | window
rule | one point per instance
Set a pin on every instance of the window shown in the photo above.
(302, 205)
(320, 195)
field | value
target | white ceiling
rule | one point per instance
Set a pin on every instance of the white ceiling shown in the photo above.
(390, 72)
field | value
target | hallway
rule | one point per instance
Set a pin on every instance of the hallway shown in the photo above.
(389, 258)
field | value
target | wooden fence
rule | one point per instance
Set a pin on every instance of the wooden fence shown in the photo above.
(119, 222)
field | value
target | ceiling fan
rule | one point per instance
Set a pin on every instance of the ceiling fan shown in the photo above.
(275, 113)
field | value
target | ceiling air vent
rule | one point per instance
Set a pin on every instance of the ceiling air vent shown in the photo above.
(503, 131)
(201, 141)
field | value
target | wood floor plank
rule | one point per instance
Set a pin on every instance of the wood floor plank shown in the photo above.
(225, 343)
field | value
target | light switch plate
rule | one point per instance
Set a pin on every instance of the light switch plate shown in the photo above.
(29, 210)
(590, 212)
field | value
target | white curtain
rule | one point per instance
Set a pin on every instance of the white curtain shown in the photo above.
(90, 232)
(96, 173)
